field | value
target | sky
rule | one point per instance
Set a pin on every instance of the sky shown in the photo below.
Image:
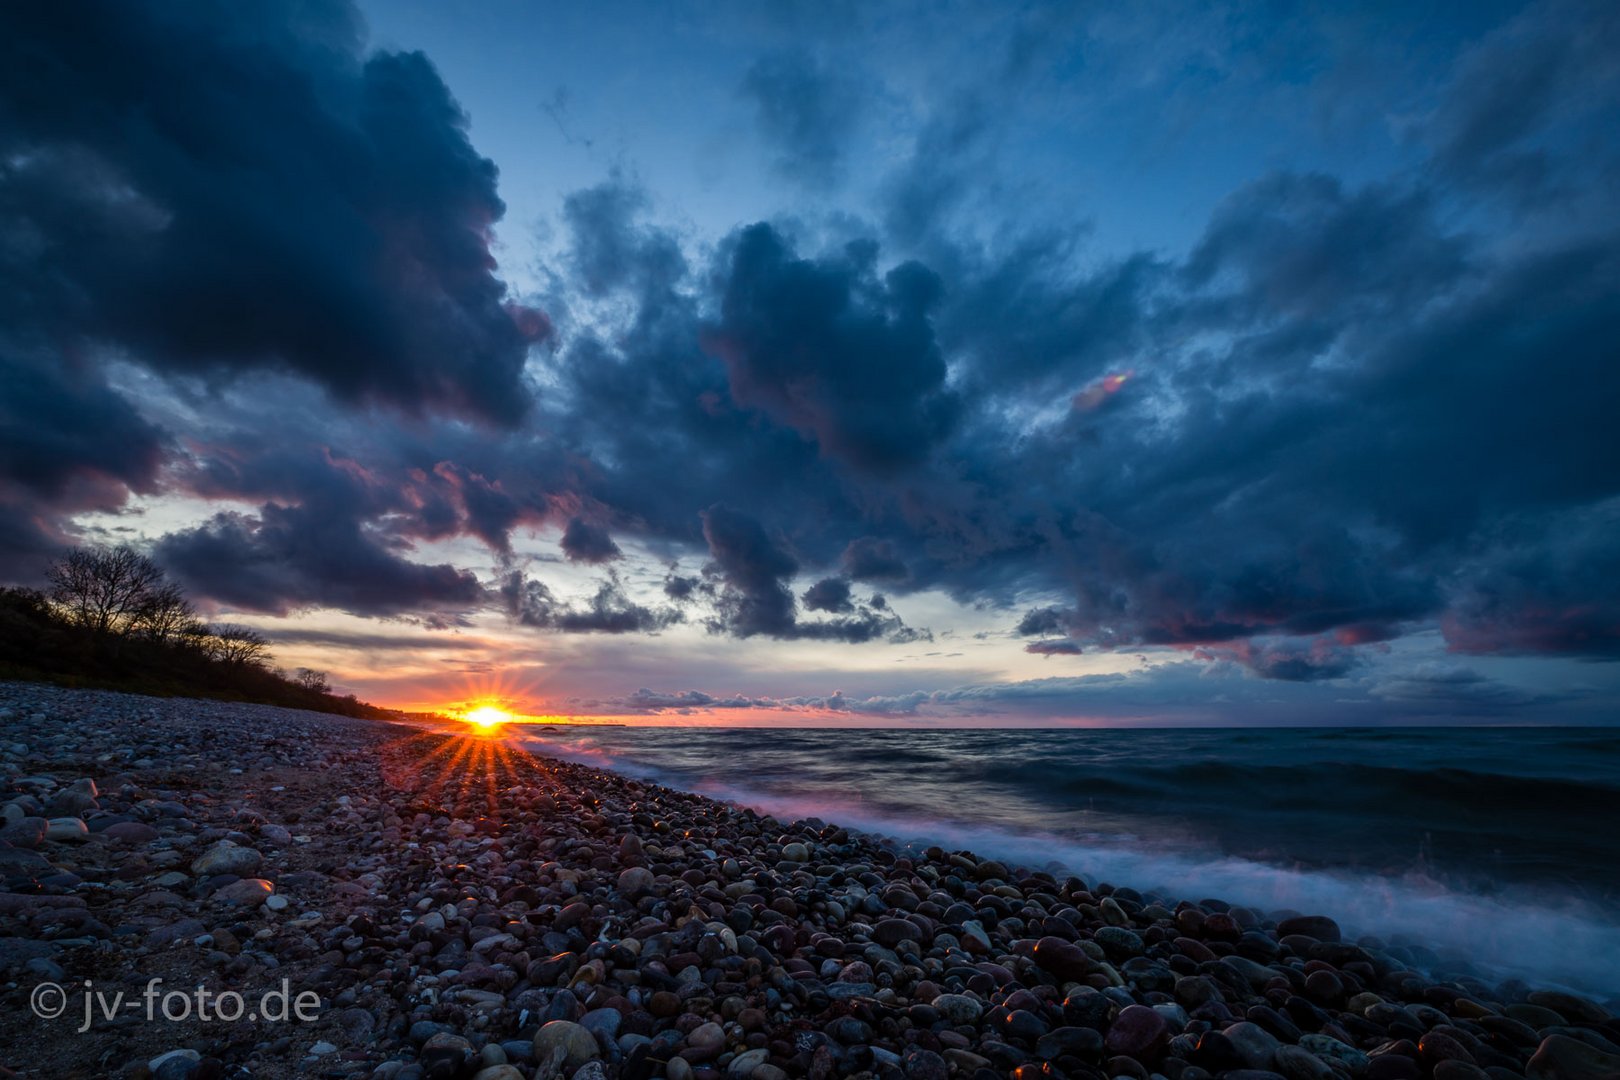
(820, 363)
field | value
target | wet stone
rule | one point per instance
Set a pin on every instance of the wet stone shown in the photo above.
(1137, 1032)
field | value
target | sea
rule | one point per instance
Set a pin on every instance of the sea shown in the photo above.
(1492, 850)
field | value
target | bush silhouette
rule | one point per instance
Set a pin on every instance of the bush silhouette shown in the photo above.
(111, 619)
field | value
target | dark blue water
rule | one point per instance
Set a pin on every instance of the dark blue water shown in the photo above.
(1502, 844)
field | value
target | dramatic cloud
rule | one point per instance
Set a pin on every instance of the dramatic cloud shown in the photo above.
(69, 438)
(214, 187)
(608, 611)
(681, 589)
(1054, 647)
(1348, 431)
(1037, 621)
(292, 557)
(246, 261)
(829, 594)
(587, 543)
(871, 559)
(755, 570)
(452, 498)
(1291, 661)
(756, 599)
(829, 349)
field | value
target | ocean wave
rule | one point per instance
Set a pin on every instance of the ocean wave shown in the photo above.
(1540, 935)
(1316, 780)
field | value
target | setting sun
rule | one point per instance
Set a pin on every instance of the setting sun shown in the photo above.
(487, 716)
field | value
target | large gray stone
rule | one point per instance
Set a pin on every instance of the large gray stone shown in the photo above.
(1254, 1044)
(577, 1045)
(227, 857)
(1560, 1057)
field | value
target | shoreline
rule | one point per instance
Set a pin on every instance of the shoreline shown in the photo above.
(1490, 929)
(463, 909)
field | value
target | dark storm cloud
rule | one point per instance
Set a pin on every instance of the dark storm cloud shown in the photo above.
(756, 598)
(69, 443)
(1349, 410)
(64, 432)
(871, 559)
(682, 588)
(1290, 661)
(585, 542)
(373, 482)
(214, 187)
(646, 393)
(805, 112)
(250, 464)
(209, 188)
(831, 349)
(27, 543)
(829, 594)
(1262, 397)
(1370, 407)
(292, 557)
(756, 570)
(1030, 321)
(453, 498)
(1055, 647)
(1041, 621)
(346, 502)
(608, 611)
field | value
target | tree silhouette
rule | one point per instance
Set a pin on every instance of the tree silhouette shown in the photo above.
(105, 589)
(310, 679)
(231, 643)
(168, 617)
(112, 619)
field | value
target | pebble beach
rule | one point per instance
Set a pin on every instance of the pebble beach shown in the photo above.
(445, 906)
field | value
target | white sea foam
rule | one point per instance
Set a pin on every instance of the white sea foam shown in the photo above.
(1547, 940)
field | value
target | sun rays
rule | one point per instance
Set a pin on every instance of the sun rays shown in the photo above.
(462, 773)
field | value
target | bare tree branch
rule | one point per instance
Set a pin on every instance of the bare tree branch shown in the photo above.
(231, 643)
(310, 679)
(105, 589)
